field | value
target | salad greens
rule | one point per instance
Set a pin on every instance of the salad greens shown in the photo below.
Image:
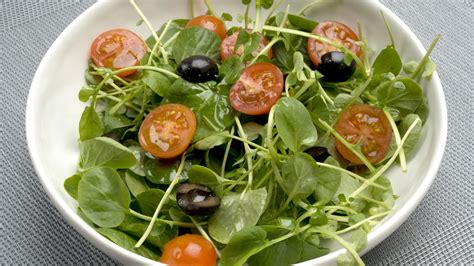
(277, 203)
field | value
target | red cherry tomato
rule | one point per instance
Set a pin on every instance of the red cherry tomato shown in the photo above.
(209, 22)
(334, 31)
(167, 131)
(189, 250)
(116, 49)
(368, 126)
(228, 46)
(258, 89)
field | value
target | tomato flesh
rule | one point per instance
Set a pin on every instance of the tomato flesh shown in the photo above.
(189, 250)
(334, 31)
(228, 46)
(167, 131)
(209, 22)
(117, 49)
(368, 126)
(257, 90)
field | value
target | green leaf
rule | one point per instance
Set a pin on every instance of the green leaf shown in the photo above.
(226, 17)
(291, 119)
(202, 175)
(149, 200)
(71, 185)
(139, 154)
(243, 245)
(328, 181)
(430, 68)
(160, 233)
(236, 212)
(208, 101)
(253, 130)
(127, 242)
(405, 101)
(157, 81)
(175, 26)
(359, 239)
(415, 134)
(135, 183)
(299, 176)
(231, 69)
(265, 3)
(103, 197)
(410, 67)
(160, 171)
(104, 152)
(388, 61)
(212, 141)
(302, 23)
(196, 41)
(85, 94)
(112, 122)
(90, 125)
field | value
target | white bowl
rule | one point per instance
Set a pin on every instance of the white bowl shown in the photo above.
(53, 110)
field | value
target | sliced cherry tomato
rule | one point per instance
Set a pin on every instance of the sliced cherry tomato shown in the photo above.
(257, 90)
(189, 250)
(228, 46)
(116, 49)
(209, 22)
(334, 31)
(167, 131)
(365, 125)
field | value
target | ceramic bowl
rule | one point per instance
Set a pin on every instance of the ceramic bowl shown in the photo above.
(53, 109)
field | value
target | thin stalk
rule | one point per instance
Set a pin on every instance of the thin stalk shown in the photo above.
(325, 95)
(123, 92)
(258, 10)
(205, 235)
(384, 168)
(248, 142)
(425, 59)
(388, 29)
(338, 218)
(191, 7)
(158, 45)
(152, 68)
(264, 178)
(162, 201)
(210, 8)
(273, 9)
(342, 208)
(226, 153)
(308, 6)
(348, 145)
(355, 226)
(265, 50)
(246, 16)
(115, 99)
(248, 154)
(148, 24)
(304, 88)
(344, 243)
(354, 175)
(398, 140)
(383, 204)
(169, 222)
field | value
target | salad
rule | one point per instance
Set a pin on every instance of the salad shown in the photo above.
(206, 145)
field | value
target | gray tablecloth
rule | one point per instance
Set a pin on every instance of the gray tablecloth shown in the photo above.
(440, 231)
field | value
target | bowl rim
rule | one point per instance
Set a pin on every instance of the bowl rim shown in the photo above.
(116, 252)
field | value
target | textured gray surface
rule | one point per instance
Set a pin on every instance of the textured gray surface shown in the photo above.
(440, 231)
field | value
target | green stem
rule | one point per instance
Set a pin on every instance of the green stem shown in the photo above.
(324, 94)
(210, 8)
(105, 94)
(383, 204)
(344, 243)
(398, 140)
(273, 9)
(355, 226)
(264, 178)
(191, 7)
(162, 201)
(425, 59)
(265, 50)
(342, 208)
(384, 168)
(169, 222)
(338, 218)
(248, 142)
(226, 153)
(348, 145)
(158, 44)
(246, 16)
(205, 235)
(148, 24)
(152, 68)
(115, 99)
(306, 85)
(318, 38)
(248, 153)
(354, 175)
(388, 29)
(308, 6)
(258, 10)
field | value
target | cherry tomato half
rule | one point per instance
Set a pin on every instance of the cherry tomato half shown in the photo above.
(228, 46)
(116, 49)
(167, 131)
(189, 250)
(257, 90)
(334, 31)
(209, 22)
(368, 126)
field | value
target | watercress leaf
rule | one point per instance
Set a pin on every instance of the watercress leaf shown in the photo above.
(246, 2)
(430, 68)
(157, 81)
(84, 218)
(71, 184)
(231, 69)
(236, 212)
(226, 17)
(388, 61)
(112, 122)
(196, 41)
(299, 176)
(212, 141)
(103, 197)
(202, 175)
(242, 245)
(302, 23)
(405, 101)
(127, 242)
(90, 125)
(104, 151)
(291, 119)
(139, 154)
(328, 181)
(208, 101)
(265, 3)
(149, 200)
(410, 67)
(415, 134)
(160, 171)
(423, 110)
(253, 130)
(359, 239)
(85, 94)
(135, 183)
(159, 235)
(175, 26)
(346, 260)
